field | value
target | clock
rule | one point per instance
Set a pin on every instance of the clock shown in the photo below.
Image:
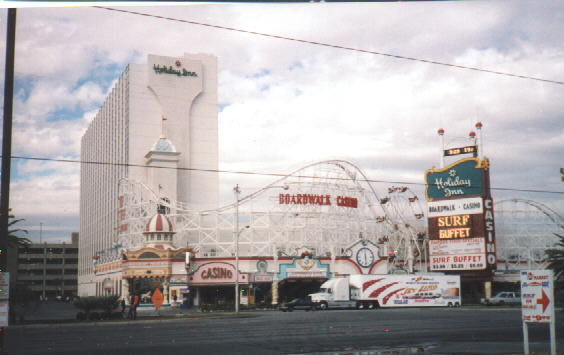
(364, 257)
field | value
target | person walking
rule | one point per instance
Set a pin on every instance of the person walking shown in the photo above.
(122, 304)
(133, 303)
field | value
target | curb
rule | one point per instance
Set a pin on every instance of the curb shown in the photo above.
(139, 320)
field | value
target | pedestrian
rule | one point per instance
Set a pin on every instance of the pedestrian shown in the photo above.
(136, 301)
(131, 307)
(122, 304)
(133, 303)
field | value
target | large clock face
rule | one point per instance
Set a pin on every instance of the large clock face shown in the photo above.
(364, 257)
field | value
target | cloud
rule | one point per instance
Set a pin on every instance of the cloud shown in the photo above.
(39, 194)
(286, 103)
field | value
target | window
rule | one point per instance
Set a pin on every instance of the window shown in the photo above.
(148, 255)
(30, 250)
(163, 208)
(54, 261)
(54, 282)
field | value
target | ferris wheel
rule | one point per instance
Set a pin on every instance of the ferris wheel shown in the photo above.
(406, 243)
(524, 230)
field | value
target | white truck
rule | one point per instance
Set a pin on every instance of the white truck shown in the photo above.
(373, 291)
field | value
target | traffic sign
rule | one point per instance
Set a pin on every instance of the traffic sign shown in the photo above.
(537, 300)
(537, 303)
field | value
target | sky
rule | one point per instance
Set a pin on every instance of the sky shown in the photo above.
(284, 104)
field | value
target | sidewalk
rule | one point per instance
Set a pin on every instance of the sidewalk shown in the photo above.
(52, 311)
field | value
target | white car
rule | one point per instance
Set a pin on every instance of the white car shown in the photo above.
(503, 298)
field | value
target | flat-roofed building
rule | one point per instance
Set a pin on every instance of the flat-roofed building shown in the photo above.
(49, 270)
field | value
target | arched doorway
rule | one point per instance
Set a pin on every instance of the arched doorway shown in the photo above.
(145, 286)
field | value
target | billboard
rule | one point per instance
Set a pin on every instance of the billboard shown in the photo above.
(460, 217)
(464, 178)
(537, 296)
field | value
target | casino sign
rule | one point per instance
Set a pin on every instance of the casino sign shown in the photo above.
(460, 217)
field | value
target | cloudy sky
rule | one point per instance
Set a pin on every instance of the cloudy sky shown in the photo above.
(284, 104)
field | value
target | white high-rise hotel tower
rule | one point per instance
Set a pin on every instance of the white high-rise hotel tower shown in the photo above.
(162, 113)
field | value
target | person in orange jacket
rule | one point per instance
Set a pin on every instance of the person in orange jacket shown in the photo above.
(133, 303)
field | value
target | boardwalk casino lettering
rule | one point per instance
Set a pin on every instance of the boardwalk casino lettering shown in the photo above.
(321, 200)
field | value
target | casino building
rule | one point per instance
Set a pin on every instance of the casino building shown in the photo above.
(158, 124)
(152, 220)
(292, 235)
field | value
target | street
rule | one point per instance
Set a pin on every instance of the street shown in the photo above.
(425, 331)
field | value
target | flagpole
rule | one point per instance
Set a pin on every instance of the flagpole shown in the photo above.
(163, 135)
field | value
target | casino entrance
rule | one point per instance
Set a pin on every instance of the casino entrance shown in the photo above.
(217, 295)
(289, 289)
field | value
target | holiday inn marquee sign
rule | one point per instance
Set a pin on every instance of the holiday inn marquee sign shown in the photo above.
(462, 179)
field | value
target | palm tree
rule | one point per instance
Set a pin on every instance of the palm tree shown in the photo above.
(556, 257)
(14, 240)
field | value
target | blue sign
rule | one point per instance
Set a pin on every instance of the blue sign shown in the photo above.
(464, 178)
(304, 268)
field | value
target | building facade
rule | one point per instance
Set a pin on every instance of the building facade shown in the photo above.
(157, 127)
(49, 270)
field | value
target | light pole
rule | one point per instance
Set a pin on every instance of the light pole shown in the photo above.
(237, 232)
(237, 267)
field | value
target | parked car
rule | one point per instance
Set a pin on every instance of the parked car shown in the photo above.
(298, 303)
(503, 298)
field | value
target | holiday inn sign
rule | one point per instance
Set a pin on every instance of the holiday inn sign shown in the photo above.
(464, 178)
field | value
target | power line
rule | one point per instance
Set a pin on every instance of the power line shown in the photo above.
(261, 173)
(333, 45)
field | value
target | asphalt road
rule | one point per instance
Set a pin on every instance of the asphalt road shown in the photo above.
(397, 331)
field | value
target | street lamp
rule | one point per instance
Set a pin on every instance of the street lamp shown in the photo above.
(237, 268)
(237, 232)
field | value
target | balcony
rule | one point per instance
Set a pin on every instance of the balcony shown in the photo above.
(24, 267)
(25, 277)
(31, 255)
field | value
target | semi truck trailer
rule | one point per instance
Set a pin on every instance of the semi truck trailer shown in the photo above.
(373, 291)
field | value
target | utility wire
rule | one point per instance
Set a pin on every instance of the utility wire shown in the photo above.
(260, 173)
(333, 45)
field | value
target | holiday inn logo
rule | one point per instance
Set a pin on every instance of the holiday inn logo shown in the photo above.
(462, 179)
(170, 70)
